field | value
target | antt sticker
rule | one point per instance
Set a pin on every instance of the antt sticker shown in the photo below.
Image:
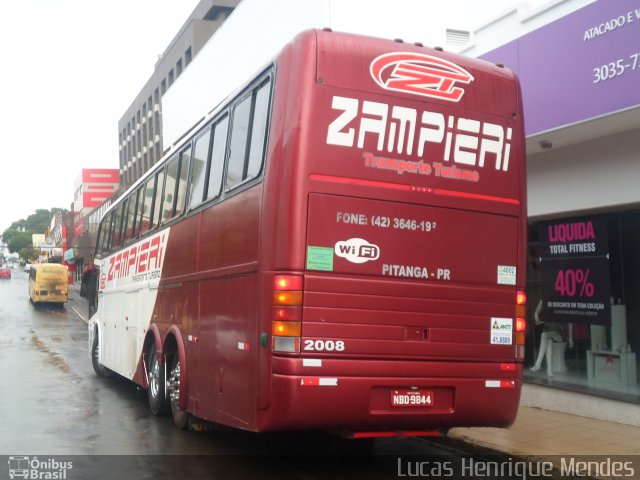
(501, 331)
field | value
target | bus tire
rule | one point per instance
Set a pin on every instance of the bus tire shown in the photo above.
(158, 401)
(180, 417)
(100, 369)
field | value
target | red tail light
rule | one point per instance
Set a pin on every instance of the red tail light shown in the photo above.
(521, 323)
(286, 327)
(286, 283)
(287, 313)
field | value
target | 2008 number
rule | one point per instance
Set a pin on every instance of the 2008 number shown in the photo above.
(323, 346)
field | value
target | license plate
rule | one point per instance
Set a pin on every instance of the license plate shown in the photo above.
(411, 398)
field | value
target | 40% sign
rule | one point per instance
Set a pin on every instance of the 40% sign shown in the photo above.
(574, 281)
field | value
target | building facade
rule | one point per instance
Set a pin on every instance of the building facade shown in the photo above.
(140, 128)
(93, 187)
(579, 66)
(55, 241)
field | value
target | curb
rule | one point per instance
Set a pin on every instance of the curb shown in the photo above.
(78, 314)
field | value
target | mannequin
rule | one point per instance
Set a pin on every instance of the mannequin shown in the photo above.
(552, 332)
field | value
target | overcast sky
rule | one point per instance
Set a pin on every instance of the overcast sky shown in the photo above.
(69, 70)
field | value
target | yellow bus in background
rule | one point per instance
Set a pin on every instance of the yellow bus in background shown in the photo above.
(48, 282)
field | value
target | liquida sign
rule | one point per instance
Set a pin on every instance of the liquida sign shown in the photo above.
(574, 270)
(448, 146)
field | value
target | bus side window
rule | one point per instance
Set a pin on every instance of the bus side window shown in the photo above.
(101, 230)
(131, 217)
(147, 205)
(259, 130)
(183, 177)
(108, 224)
(170, 187)
(199, 167)
(157, 204)
(138, 212)
(248, 133)
(118, 225)
(218, 151)
(238, 145)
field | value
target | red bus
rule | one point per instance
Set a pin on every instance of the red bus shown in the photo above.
(338, 245)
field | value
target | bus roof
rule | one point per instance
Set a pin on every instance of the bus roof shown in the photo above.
(433, 74)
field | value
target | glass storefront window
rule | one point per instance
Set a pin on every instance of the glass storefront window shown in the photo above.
(583, 282)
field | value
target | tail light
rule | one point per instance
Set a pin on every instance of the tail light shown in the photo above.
(286, 325)
(521, 323)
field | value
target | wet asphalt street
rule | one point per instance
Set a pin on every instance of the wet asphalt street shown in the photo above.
(54, 408)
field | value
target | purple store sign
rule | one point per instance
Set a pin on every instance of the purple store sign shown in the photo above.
(581, 66)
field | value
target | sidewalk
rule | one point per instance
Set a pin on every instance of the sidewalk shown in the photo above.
(542, 433)
(77, 304)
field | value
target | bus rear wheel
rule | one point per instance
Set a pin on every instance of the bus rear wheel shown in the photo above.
(156, 391)
(100, 369)
(180, 417)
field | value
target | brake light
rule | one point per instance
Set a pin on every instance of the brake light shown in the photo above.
(521, 323)
(521, 304)
(283, 283)
(286, 327)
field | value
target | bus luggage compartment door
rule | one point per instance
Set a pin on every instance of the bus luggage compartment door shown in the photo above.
(408, 280)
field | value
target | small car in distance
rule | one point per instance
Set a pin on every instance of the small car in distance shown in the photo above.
(5, 272)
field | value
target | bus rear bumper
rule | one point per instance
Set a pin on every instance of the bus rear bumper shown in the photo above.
(398, 401)
(49, 298)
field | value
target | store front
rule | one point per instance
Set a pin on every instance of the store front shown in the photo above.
(580, 74)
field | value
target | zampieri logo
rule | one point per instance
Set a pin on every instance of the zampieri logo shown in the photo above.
(357, 250)
(420, 74)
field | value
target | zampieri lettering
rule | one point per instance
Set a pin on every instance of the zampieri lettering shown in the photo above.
(403, 130)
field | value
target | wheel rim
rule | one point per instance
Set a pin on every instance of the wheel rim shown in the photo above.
(154, 376)
(96, 351)
(173, 385)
